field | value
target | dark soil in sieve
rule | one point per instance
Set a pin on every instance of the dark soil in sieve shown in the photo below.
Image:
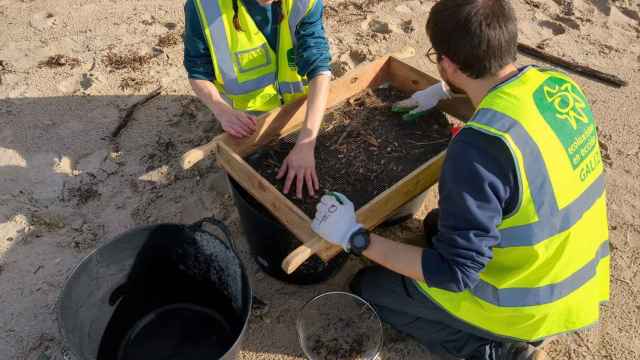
(363, 148)
(345, 339)
(339, 348)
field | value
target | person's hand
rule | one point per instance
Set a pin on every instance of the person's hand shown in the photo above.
(234, 122)
(335, 219)
(422, 101)
(300, 166)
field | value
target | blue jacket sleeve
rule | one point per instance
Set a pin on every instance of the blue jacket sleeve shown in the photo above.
(313, 55)
(197, 60)
(477, 186)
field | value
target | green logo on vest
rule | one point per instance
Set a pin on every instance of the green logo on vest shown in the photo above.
(291, 58)
(565, 109)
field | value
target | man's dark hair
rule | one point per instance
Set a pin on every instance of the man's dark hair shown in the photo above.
(480, 36)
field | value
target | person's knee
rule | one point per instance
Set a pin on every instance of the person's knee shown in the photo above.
(367, 280)
(358, 282)
(375, 284)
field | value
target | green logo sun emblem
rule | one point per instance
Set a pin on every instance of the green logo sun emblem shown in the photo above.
(291, 58)
(565, 109)
(569, 105)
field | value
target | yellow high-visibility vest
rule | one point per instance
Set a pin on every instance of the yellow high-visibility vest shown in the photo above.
(248, 72)
(550, 271)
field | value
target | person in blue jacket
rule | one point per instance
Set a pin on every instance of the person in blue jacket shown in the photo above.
(292, 29)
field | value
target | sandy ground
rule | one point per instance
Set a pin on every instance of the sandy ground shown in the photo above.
(66, 187)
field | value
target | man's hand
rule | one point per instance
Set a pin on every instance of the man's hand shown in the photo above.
(335, 219)
(234, 122)
(300, 166)
(422, 100)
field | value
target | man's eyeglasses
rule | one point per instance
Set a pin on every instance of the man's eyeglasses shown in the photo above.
(434, 56)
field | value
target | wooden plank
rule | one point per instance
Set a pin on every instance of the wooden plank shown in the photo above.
(365, 76)
(377, 210)
(412, 185)
(261, 189)
(410, 79)
(298, 256)
(273, 125)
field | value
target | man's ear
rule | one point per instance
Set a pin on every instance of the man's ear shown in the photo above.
(450, 68)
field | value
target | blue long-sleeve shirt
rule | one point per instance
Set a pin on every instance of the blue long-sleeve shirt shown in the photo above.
(478, 185)
(312, 49)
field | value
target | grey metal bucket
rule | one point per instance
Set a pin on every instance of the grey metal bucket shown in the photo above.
(84, 310)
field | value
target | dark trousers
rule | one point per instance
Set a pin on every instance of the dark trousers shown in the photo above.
(402, 305)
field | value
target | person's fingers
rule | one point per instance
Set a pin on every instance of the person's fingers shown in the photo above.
(242, 126)
(308, 178)
(231, 130)
(253, 121)
(248, 121)
(287, 182)
(314, 178)
(299, 183)
(242, 131)
(415, 114)
(243, 119)
(283, 170)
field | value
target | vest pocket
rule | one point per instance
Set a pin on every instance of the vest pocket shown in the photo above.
(253, 59)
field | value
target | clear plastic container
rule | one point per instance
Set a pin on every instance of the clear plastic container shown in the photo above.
(339, 325)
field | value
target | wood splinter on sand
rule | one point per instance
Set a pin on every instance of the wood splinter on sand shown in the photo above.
(570, 65)
(132, 109)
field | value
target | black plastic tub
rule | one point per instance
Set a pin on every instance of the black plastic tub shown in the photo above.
(166, 291)
(270, 242)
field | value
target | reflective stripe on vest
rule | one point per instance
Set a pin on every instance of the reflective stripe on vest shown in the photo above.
(550, 269)
(292, 87)
(518, 297)
(553, 220)
(247, 90)
(218, 34)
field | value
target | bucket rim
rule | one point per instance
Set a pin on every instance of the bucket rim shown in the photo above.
(350, 294)
(92, 253)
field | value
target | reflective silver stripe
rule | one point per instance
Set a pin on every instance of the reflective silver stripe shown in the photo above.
(552, 219)
(219, 37)
(534, 233)
(518, 297)
(297, 13)
(296, 87)
(267, 56)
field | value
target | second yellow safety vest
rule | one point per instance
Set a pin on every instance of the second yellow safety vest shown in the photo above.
(248, 72)
(550, 270)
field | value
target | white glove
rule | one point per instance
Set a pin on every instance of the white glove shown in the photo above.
(426, 99)
(335, 219)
